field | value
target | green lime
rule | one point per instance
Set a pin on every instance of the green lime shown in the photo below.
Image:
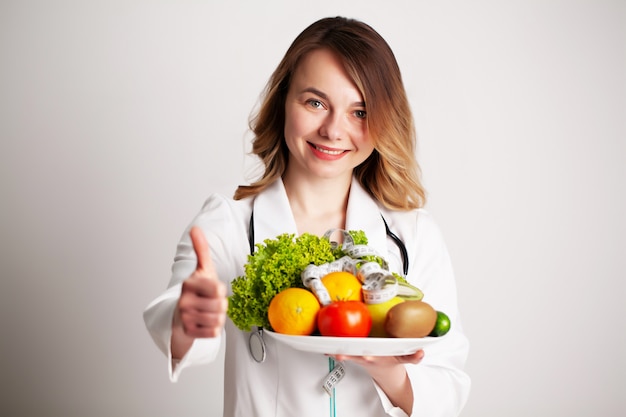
(442, 326)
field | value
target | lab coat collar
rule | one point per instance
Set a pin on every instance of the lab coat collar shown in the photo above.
(272, 213)
(273, 216)
(364, 214)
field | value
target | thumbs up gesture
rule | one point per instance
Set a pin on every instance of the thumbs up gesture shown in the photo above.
(201, 308)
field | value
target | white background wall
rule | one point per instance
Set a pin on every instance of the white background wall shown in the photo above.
(118, 117)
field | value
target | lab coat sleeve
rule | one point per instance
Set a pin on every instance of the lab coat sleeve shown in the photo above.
(440, 385)
(218, 224)
(158, 318)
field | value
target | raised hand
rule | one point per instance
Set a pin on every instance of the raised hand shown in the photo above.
(201, 308)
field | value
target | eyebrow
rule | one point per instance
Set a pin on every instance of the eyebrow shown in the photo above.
(325, 96)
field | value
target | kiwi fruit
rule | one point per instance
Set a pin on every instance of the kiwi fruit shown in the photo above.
(411, 318)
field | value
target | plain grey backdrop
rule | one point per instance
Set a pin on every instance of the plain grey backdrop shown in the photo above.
(118, 118)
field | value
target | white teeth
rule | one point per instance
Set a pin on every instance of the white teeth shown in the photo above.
(329, 152)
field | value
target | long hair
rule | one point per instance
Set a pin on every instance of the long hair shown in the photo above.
(391, 174)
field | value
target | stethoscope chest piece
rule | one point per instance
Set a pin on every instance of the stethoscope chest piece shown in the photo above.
(256, 344)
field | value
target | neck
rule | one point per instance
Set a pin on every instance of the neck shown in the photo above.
(318, 205)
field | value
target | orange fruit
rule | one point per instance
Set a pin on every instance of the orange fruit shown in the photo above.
(342, 286)
(293, 311)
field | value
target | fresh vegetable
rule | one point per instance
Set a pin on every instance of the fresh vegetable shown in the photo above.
(411, 318)
(277, 265)
(344, 319)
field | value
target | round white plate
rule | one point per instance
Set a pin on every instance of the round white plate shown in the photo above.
(356, 346)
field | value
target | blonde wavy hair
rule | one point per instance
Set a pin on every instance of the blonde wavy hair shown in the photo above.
(391, 174)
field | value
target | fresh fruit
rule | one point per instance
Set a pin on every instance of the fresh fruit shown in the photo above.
(411, 318)
(344, 319)
(407, 291)
(442, 325)
(379, 314)
(342, 286)
(294, 311)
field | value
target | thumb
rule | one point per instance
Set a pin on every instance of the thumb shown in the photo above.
(201, 247)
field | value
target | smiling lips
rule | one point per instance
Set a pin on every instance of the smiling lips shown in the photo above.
(325, 152)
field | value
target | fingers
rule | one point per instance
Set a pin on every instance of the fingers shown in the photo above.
(202, 285)
(357, 359)
(209, 326)
(413, 358)
(207, 323)
(201, 247)
(203, 304)
(202, 316)
(417, 356)
(202, 295)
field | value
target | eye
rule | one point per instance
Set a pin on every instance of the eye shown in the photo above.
(360, 114)
(316, 104)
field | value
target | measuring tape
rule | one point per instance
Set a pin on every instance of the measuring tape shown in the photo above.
(378, 284)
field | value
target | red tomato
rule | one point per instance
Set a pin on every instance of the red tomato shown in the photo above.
(344, 319)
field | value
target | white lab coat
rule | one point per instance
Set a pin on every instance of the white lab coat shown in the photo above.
(289, 382)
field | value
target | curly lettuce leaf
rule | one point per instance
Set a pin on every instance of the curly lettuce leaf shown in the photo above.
(275, 266)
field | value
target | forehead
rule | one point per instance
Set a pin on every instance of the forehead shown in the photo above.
(320, 68)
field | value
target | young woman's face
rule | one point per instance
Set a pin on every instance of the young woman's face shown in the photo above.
(325, 119)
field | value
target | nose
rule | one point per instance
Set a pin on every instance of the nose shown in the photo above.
(332, 126)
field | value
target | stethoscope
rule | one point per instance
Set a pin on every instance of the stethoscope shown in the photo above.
(256, 343)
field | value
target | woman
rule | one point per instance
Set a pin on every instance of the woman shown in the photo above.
(336, 137)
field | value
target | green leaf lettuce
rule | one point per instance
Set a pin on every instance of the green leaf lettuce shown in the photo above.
(277, 265)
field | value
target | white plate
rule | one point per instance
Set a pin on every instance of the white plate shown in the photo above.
(357, 346)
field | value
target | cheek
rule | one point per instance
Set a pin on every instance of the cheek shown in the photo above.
(293, 133)
(365, 143)
(291, 123)
(299, 125)
(366, 148)
(290, 133)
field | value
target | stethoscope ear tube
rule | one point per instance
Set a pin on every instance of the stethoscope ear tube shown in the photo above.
(401, 247)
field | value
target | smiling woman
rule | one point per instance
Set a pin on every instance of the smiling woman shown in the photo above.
(336, 137)
(324, 121)
(365, 64)
(117, 116)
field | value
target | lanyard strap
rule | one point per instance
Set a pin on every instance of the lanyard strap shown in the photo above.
(333, 404)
